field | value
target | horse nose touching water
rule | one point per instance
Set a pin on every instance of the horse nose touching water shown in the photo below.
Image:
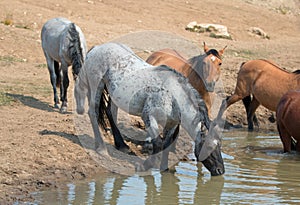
(63, 44)
(158, 94)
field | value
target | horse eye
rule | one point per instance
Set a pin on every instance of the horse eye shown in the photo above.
(220, 64)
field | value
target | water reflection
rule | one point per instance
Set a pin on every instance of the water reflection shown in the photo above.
(257, 172)
(181, 187)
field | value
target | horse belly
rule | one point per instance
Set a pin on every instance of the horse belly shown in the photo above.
(268, 95)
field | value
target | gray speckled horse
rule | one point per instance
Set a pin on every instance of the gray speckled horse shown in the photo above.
(159, 95)
(62, 42)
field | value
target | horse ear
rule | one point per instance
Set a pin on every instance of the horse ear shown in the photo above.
(222, 51)
(206, 49)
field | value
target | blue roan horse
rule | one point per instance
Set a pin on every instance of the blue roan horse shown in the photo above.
(159, 95)
(62, 42)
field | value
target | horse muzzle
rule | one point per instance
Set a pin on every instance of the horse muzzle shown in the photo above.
(80, 111)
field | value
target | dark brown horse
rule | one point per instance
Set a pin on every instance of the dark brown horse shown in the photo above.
(203, 71)
(266, 82)
(288, 120)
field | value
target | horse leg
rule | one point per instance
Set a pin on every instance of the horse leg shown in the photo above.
(153, 142)
(251, 112)
(226, 103)
(246, 101)
(111, 113)
(64, 88)
(169, 143)
(285, 137)
(53, 78)
(93, 106)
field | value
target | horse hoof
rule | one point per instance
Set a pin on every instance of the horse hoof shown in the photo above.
(56, 106)
(63, 109)
(125, 150)
(102, 151)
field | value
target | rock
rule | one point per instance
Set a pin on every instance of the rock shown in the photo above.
(258, 32)
(215, 30)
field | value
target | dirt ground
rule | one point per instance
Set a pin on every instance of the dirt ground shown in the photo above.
(38, 145)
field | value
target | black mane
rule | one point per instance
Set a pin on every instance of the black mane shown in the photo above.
(75, 50)
(296, 71)
(214, 52)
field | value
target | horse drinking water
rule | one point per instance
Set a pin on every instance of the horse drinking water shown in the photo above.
(266, 82)
(62, 42)
(159, 95)
(288, 120)
(203, 71)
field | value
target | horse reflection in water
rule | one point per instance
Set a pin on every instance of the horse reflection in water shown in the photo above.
(182, 187)
(62, 42)
(159, 95)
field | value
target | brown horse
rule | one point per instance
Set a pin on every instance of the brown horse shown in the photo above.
(203, 71)
(288, 120)
(266, 82)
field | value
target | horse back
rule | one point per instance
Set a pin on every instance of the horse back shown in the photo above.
(171, 58)
(53, 37)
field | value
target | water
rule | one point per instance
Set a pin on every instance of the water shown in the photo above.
(257, 172)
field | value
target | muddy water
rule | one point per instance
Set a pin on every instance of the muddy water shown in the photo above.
(257, 172)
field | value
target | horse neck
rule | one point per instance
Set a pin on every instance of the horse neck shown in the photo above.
(190, 121)
(196, 64)
(189, 108)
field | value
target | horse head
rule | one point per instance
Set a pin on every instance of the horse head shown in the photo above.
(208, 151)
(80, 93)
(208, 67)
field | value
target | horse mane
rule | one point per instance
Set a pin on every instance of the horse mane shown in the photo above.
(214, 52)
(194, 61)
(75, 50)
(296, 72)
(191, 92)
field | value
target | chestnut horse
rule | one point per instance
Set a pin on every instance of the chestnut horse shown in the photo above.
(288, 120)
(203, 71)
(266, 82)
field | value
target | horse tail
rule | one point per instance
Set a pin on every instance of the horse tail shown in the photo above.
(57, 73)
(75, 50)
(103, 106)
(105, 115)
(242, 64)
(246, 101)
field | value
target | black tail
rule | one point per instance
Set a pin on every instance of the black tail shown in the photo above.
(104, 115)
(57, 73)
(75, 50)
(104, 101)
(247, 101)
